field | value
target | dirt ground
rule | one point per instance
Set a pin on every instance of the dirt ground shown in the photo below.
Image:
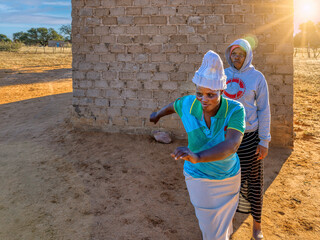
(60, 183)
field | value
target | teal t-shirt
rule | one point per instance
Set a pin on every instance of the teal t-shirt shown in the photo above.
(231, 115)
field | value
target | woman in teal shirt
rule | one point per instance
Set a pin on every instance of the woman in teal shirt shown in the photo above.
(215, 127)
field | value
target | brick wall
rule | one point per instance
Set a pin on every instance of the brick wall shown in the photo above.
(131, 57)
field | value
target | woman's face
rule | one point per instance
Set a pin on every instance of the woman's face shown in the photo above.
(210, 99)
(237, 57)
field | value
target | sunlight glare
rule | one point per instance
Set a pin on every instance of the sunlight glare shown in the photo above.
(307, 9)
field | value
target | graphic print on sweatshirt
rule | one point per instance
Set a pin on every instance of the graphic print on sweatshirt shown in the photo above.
(235, 88)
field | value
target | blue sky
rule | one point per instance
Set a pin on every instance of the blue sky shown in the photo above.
(21, 15)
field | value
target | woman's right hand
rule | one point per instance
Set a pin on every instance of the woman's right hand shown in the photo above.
(154, 117)
(185, 154)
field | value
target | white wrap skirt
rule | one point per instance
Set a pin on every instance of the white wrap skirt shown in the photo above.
(215, 203)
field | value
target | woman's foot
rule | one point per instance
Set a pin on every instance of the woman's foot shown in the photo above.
(257, 235)
(257, 232)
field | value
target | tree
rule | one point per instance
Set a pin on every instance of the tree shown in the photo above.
(42, 36)
(66, 30)
(39, 36)
(297, 40)
(309, 37)
(4, 38)
(53, 35)
(20, 36)
(32, 36)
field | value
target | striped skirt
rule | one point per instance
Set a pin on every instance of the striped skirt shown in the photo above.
(251, 191)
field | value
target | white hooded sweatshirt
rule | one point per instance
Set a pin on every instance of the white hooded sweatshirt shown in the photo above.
(249, 87)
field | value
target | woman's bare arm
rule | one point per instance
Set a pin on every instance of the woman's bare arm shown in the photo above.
(166, 110)
(219, 152)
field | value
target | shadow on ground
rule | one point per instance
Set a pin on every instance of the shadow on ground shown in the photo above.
(10, 77)
(272, 166)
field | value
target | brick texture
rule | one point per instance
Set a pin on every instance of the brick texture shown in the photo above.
(130, 57)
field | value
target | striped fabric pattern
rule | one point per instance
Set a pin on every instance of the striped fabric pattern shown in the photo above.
(251, 192)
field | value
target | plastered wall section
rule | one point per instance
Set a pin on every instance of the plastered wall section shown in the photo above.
(131, 57)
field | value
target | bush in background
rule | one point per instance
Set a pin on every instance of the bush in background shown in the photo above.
(4, 38)
(10, 46)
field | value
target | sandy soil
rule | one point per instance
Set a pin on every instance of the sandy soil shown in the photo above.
(60, 183)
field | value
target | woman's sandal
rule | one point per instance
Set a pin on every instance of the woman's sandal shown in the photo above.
(257, 235)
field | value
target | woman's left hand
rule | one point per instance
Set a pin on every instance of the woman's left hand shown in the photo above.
(185, 154)
(262, 152)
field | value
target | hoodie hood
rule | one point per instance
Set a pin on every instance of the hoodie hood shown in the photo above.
(245, 45)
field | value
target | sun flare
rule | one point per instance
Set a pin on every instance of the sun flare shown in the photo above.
(307, 9)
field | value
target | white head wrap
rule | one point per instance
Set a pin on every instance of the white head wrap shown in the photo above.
(211, 73)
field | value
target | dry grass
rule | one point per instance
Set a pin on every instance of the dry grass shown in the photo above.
(31, 73)
(306, 96)
(35, 59)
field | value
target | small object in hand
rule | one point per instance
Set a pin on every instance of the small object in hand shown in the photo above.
(162, 137)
